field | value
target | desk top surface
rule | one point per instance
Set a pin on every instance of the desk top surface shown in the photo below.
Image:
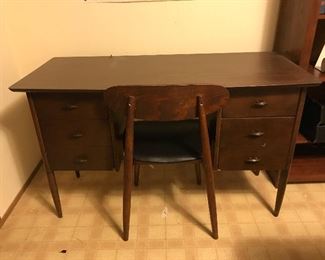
(229, 69)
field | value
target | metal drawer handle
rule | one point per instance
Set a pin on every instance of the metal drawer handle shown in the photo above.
(253, 160)
(260, 103)
(77, 135)
(82, 160)
(71, 107)
(256, 134)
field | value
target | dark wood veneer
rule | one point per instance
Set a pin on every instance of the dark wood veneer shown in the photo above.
(262, 102)
(66, 97)
(258, 137)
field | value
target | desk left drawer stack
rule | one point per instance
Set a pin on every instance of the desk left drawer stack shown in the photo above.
(75, 132)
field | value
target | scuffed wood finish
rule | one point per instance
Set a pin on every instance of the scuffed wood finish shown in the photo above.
(262, 102)
(166, 103)
(267, 139)
(231, 70)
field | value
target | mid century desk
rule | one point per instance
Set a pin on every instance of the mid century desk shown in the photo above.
(258, 127)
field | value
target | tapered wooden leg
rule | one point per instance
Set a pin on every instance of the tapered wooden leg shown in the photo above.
(128, 167)
(136, 174)
(281, 190)
(198, 173)
(49, 172)
(211, 201)
(77, 173)
(54, 192)
(207, 164)
(127, 201)
(256, 172)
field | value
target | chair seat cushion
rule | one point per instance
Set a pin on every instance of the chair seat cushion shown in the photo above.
(167, 142)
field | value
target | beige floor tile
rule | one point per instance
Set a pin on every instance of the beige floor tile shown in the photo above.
(156, 254)
(315, 229)
(157, 232)
(22, 221)
(174, 232)
(169, 219)
(106, 255)
(259, 253)
(173, 254)
(206, 254)
(14, 235)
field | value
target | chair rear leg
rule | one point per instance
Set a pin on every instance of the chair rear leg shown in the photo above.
(77, 173)
(198, 173)
(211, 200)
(127, 200)
(136, 174)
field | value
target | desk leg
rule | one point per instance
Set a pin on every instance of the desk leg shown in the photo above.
(49, 172)
(281, 190)
(54, 191)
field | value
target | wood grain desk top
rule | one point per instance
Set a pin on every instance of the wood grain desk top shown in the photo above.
(229, 69)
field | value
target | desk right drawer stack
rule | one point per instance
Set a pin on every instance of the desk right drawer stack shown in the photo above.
(256, 128)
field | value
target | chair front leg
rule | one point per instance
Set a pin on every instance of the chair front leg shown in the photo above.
(128, 167)
(207, 163)
(211, 198)
(127, 189)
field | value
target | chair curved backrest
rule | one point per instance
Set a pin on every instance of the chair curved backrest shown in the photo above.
(167, 103)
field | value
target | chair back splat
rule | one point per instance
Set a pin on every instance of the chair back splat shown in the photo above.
(167, 103)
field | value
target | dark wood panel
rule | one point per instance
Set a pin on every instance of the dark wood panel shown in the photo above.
(296, 29)
(226, 69)
(255, 143)
(308, 164)
(81, 158)
(69, 106)
(262, 102)
(307, 169)
(59, 133)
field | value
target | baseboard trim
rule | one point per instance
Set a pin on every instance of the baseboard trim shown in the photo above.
(20, 194)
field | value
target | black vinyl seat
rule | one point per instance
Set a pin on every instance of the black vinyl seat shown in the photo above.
(169, 142)
(161, 142)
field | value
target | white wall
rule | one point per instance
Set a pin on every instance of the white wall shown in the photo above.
(33, 31)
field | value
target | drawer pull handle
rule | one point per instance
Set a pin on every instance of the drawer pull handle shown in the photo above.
(260, 103)
(82, 160)
(256, 134)
(71, 107)
(77, 135)
(253, 160)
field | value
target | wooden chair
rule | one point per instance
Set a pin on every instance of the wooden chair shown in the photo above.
(143, 111)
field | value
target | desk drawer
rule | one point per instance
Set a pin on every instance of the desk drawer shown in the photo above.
(59, 133)
(81, 158)
(250, 102)
(255, 143)
(69, 106)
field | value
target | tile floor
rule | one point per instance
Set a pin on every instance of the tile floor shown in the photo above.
(169, 219)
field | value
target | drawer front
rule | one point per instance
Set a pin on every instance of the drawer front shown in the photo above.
(69, 106)
(59, 133)
(262, 102)
(81, 158)
(255, 143)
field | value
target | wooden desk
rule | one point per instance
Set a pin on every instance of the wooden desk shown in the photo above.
(258, 127)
